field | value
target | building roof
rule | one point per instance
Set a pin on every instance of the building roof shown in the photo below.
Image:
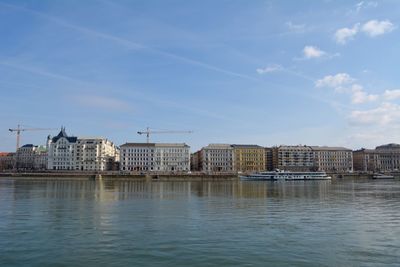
(218, 146)
(61, 134)
(28, 145)
(154, 145)
(5, 154)
(389, 146)
(138, 144)
(246, 146)
(330, 148)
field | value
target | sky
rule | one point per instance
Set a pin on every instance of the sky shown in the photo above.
(231, 71)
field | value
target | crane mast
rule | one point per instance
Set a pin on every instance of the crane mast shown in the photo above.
(148, 132)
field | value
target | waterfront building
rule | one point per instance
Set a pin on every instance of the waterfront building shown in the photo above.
(333, 159)
(62, 151)
(80, 154)
(196, 161)
(155, 157)
(294, 158)
(269, 164)
(381, 159)
(248, 158)
(95, 154)
(31, 157)
(215, 158)
(365, 160)
(7, 161)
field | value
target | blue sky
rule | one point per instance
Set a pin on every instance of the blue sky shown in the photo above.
(263, 72)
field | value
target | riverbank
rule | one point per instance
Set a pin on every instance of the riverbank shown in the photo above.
(112, 175)
(121, 176)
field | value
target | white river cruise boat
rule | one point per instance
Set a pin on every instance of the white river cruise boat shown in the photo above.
(286, 176)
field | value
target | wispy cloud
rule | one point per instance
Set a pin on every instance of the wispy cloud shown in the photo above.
(130, 44)
(296, 28)
(343, 35)
(371, 28)
(310, 51)
(102, 102)
(374, 28)
(270, 68)
(344, 83)
(391, 94)
(335, 81)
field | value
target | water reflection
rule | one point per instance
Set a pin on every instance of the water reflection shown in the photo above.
(105, 190)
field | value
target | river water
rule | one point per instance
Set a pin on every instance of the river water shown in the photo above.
(130, 223)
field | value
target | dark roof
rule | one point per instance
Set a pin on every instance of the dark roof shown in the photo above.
(138, 144)
(28, 145)
(61, 134)
(388, 146)
(246, 146)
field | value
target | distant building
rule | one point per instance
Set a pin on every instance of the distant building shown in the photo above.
(214, 158)
(249, 158)
(269, 163)
(95, 154)
(31, 157)
(333, 159)
(294, 158)
(80, 154)
(381, 159)
(7, 161)
(155, 157)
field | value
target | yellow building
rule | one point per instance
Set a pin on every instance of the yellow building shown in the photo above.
(249, 158)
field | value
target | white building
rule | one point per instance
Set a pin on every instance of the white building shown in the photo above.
(95, 154)
(157, 157)
(217, 158)
(80, 154)
(31, 157)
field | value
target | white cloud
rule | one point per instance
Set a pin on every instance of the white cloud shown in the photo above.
(359, 96)
(297, 28)
(344, 83)
(313, 52)
(335, 81)
(374, 27)
(391, 94)
(270, 68)
(102, 102)
(343, 35)
(385, 114)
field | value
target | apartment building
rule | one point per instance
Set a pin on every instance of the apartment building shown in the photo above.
(382, 158)
(7, 161)
(294, 158)
(215, 158)
(155, 157)
(333, 159)
(248, 158)
(80, 154)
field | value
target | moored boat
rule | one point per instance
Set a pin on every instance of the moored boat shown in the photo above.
(382, 176)
(286, 176)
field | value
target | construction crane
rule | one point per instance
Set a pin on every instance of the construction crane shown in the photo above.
(148, 132)
(18, 130)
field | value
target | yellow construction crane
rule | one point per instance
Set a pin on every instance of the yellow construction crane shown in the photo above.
(148, 132)
(18, 130)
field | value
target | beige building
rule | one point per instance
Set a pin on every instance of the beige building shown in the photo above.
(249, 158)
(214, 158)
(381, 159)
(333, 159)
